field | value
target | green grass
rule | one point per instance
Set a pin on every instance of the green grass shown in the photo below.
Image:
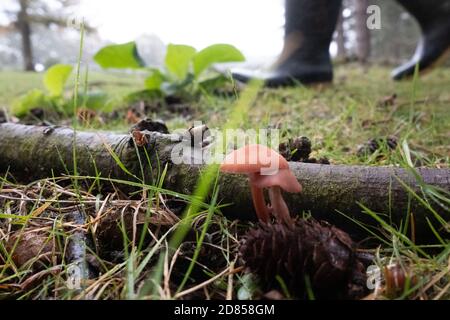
(339, 118)
(336, 118)
(16, 83)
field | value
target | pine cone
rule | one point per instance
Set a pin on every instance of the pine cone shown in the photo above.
(297, 149)
(371, 146)
(307, 248)
(302, 148)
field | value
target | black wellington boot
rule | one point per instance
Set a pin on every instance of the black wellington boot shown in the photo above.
(434, 46)
(305, 57)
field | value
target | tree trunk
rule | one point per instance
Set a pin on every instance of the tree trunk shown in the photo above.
(362, 31)
(24, 26)
(31, 152)
(340, 39)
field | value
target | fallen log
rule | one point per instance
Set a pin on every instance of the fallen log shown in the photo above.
(33, 152)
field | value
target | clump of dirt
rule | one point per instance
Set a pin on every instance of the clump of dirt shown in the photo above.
(299, 150)
(377, 144)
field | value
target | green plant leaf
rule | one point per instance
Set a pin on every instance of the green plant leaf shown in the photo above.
(211, 83)
(119, 56)
(32, 99)
(56, 77)
(154, 81)
(216, 53)
(177, 87)
(178, 59)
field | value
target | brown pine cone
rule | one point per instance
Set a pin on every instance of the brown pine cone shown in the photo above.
(308, 248)
(297, 149)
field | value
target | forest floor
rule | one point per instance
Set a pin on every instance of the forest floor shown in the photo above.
(363, 118)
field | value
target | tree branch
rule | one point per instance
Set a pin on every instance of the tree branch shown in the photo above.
(31, 152)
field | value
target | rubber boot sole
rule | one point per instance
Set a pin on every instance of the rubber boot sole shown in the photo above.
(439, 61)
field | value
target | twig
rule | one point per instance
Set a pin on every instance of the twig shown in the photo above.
(230, 282)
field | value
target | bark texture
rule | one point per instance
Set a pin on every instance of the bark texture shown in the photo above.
(24, 27)
(31, 152)
(340, 39)
(362, 32)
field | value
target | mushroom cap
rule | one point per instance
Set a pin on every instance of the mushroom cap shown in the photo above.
(254, 158)
(284, 179)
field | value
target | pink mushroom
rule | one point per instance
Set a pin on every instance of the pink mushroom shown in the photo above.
(265, 168)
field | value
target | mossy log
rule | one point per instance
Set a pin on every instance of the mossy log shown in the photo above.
(32, 152)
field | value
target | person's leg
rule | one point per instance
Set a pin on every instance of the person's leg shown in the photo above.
(434, 20)
(305, 58)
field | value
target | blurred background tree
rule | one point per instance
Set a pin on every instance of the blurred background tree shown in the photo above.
(25, 17)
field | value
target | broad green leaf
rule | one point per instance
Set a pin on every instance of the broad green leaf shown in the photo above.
(178, 59)
(119, 56)
(56, 77)
(216, 53)
(32, 99)
(154, 81)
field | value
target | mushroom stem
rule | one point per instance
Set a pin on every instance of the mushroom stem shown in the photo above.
(260, 204)
(280, 209)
